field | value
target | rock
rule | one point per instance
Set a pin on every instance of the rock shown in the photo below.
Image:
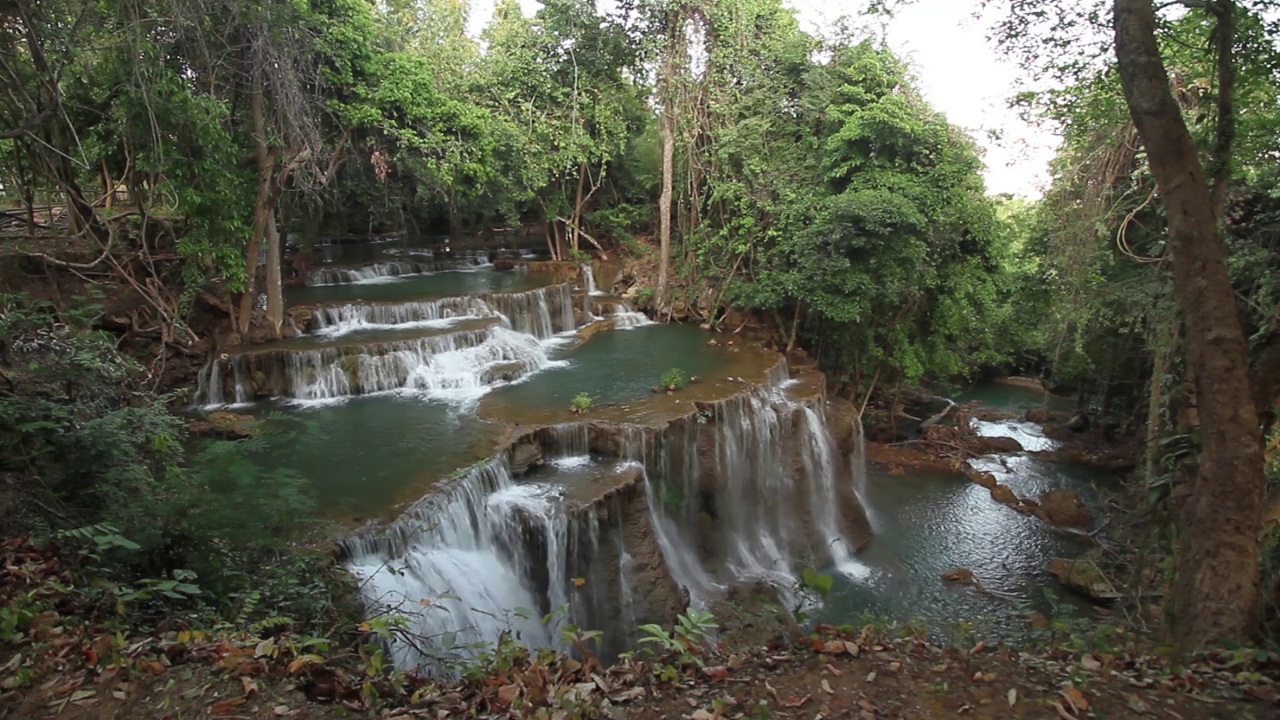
(993, 415)
(960, 576)
(1002, 493)
(1039, 416)
(1064, 507)
(1082, 576)
(225, 425)
(524, 457)
(993, 445)
(504, 263)
(985, 479)
(1038, 621)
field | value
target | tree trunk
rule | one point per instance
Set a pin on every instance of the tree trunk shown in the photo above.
(577, 207)
(668, 170)
(262, 209)
(1216, 597)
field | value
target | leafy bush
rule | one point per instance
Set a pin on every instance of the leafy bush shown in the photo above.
(673, 379)
(581, 402)
(149, 519)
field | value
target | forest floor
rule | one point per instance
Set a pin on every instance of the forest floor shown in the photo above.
(61, 658)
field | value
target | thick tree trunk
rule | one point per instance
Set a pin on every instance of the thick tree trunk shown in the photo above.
(1216, 598)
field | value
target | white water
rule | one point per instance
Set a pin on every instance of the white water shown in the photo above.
(457, 367)
(819, 462)
(455, 564)
(392, 271)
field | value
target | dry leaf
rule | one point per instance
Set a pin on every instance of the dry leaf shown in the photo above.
(1062, 713)
(701, 714)
(507, 694)
(832, 669)
(1013, 697)
(225, 707)
(1075, 699)
(579, 582)
(1089, 662)
(868, 706)
(795, 702)
(716, 674)
(871, 676)
(826, 687)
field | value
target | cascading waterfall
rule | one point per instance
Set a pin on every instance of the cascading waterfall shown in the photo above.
(589, 278)
(458, 365)
(336, 320)
(744, 491)
(542, 312)
(392, 269)
(456, 564)
(624, 318)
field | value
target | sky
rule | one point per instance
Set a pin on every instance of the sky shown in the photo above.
(958, 71)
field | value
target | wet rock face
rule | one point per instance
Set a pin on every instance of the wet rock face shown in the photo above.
(524, 457)
(1064, 507)
(996, 445)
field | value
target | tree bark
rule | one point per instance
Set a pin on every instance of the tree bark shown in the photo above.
(1216, 597)
(668, 171)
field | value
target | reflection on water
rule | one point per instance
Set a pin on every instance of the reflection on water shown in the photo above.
(930, 522)
(365, 455)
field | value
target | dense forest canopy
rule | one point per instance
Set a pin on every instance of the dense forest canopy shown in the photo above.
(202, 146)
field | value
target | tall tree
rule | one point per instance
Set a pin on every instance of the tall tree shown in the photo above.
(1217, 593)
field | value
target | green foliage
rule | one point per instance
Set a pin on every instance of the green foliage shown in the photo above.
(673, 379)
(685, 643)
(581, 402)
(150, 525)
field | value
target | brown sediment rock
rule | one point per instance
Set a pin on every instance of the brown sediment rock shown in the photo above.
(1039, 416)
(985, 479)
(993, 445)
(586, 332)
(1084, 577)
(993, 415)
(1003, 494)
(1064, 507)
(960, 576)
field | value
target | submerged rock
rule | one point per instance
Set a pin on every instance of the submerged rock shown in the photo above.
(1039, 416)
(1084, 577)
(994, 445)
(1064, 507)
(1002, 493)
(960, 576)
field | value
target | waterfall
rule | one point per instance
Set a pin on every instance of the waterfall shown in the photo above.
(542, 312)
(457, 563)
(589, 278)
(458, 365)
(819, 461)
(746, 490)
(624, 318)
(393, 269)
(336, 320)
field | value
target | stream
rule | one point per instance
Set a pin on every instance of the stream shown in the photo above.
(432, 391)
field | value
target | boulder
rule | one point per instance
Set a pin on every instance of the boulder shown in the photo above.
(525, 457)
(993, 445)
(1002, 493)
(1084, 577)
(985, 479)
(960, 576)
(1064, 507)
(1039, 416)
(993, 415)
(504, 263)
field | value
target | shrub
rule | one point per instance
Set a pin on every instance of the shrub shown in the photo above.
(581, 402)
(673, 379)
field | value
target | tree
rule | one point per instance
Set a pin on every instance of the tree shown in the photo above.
(1217, 596)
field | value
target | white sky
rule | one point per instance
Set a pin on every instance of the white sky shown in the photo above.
(958, 71)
